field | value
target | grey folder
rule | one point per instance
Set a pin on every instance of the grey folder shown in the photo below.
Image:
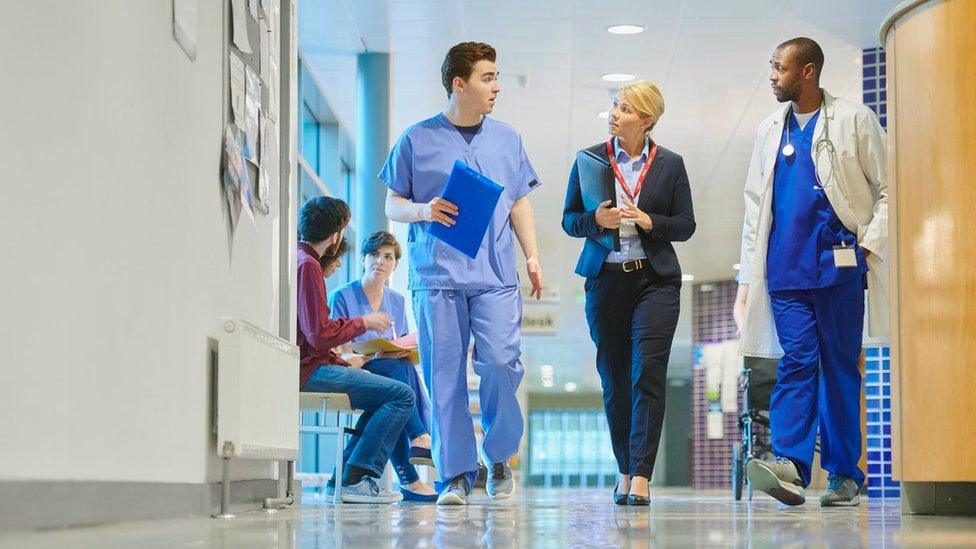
(595, 183)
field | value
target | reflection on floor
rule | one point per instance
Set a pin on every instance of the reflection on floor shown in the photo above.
(537, 518)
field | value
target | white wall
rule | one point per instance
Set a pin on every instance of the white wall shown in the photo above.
(115, 257)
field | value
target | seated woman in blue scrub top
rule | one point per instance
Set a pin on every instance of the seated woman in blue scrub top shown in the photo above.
(642, 204)
(381, 254)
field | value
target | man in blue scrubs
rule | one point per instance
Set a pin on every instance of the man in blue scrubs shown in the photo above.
(456, 298)
(818, 153)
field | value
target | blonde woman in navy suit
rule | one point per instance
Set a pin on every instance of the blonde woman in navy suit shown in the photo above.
(633, 279)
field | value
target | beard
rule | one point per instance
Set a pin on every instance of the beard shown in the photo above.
(788, 94)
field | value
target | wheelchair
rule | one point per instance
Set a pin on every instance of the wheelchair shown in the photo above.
(757, 380)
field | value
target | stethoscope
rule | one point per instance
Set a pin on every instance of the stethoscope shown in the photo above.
(824, 144)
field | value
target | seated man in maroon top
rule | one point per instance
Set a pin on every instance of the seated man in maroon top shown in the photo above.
(387, 403)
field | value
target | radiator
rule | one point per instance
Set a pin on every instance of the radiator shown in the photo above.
(257, 393)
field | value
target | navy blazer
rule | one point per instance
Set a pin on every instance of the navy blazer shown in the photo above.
(665, 197)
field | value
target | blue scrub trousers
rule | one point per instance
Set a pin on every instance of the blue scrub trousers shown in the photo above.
(446, 322)
(818, 381)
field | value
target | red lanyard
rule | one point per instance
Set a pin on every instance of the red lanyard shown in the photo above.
(640, 178)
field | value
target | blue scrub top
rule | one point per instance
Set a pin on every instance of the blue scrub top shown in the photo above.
(349, 300)
(418, 168)
(805, 227)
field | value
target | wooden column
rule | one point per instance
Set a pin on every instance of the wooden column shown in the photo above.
(931, 56)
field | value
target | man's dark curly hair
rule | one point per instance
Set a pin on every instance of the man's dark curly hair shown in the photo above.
(321, 218)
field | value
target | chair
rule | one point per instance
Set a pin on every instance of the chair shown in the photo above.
(325, 403)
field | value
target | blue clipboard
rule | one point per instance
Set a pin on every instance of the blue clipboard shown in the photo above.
(476, 197)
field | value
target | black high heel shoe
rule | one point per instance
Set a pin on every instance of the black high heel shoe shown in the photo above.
(619, 499)
(634, 499)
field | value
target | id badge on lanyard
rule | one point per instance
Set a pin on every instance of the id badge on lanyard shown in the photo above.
(651, 155)
(844, 256)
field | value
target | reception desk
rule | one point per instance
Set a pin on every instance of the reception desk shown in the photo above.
(931, 64)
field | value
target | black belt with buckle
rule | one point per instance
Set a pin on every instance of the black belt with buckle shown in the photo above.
(626, 266)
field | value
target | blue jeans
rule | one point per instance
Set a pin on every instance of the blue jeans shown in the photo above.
(419, 421)
(386, 404)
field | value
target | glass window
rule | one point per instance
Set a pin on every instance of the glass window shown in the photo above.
(310, 137)
(570, 448)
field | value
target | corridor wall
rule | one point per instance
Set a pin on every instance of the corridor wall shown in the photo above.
(117, 260)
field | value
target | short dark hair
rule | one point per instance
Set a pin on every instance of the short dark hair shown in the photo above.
(340, 249)
(806, 51)
(379, 239)
(321, 218)
(460, 60)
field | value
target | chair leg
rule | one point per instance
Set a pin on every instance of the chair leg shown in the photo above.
(340, 439)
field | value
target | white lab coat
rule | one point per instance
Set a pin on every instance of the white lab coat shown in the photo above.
(854, 180)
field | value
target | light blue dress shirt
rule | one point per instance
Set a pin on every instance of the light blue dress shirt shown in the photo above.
(630, 244)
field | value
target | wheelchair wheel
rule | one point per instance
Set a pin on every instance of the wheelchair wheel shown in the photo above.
(738, 470)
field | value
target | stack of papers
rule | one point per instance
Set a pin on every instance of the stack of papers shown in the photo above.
(407, 343)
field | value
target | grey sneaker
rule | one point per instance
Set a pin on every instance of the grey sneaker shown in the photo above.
(456, 492)
(366, 491)
(500, 484)
(841, 492)
(778, 478)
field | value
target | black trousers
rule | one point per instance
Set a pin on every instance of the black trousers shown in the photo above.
(632, 318)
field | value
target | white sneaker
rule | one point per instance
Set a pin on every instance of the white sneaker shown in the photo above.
(366, 491)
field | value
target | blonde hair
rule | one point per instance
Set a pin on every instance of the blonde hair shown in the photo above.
(645, 98)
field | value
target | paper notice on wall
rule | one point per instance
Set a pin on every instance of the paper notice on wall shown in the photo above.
(269, 163)
(731, 368)
(239, 17)
(233, 173)
(271, 166)
(722, 365)
(715, 424)
(252, 113)
(273, 28)
(265, 49)
(237, 80)
(273, 89)
(247, 191)
(185, 26)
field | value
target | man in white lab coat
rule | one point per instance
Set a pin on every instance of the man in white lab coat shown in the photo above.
(815, 235)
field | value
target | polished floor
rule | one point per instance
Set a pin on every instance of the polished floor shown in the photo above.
(537, 518)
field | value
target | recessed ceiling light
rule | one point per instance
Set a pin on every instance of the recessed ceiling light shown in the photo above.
(618, 77)
(687, 277)
(570, 387)
(603, 114)
(735, 267)
(625, 29)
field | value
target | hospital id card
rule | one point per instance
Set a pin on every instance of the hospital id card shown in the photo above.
(844, 256)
